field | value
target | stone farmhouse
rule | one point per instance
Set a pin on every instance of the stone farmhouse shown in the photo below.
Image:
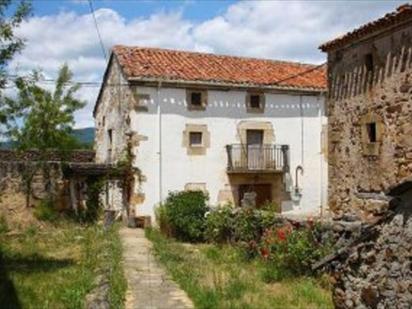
(244, 130)
(370, 161)
(370, 112)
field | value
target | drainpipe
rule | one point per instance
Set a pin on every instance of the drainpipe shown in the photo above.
(302, 132)
(159, 152)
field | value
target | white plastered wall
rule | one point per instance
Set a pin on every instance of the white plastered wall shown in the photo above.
(163, 161)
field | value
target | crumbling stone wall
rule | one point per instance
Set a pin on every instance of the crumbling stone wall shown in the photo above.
(17, 167)
(377, 272)
(360, 170)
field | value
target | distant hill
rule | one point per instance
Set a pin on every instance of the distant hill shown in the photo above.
(85, 136)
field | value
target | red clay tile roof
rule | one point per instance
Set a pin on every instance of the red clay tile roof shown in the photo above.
(183, 66)
(402, 14)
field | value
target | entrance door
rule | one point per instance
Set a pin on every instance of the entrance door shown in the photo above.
(254, 140)
(263, 193)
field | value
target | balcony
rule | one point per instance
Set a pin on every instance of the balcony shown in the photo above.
(257, 158)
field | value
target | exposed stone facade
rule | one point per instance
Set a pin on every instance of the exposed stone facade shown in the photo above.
(370, 119)
(370, 160)
(114, 140)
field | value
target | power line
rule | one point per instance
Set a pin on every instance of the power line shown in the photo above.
(97, 30)
(84, 83)
(301, 73)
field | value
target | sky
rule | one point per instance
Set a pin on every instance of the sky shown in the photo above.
(60, 32)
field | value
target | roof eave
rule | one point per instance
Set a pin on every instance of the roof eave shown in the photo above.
(165, 81)
(369, 30)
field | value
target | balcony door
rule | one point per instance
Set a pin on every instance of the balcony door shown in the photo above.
(254, 141)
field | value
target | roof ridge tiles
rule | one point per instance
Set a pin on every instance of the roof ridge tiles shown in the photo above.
(182, 51)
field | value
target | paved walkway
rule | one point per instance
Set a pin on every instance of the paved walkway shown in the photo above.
(149, 287)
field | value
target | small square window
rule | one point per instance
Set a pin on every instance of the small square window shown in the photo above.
(195, 138)
(196, 98)
(255, 101)
(371, 128)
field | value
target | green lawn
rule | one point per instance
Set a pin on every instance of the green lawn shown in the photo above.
(55, 267)
(220, 277)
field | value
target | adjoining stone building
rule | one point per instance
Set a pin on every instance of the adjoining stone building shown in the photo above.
(370, 112)
(370, 161)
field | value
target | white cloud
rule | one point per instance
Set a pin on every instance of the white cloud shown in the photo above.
(280, 30)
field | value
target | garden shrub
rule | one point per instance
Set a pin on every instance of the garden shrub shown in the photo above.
(185, 213)
(219, 224)
(271, 206)
(246, 225)
(228, 224)
(269, 219)
(290, 250)
(45, 210)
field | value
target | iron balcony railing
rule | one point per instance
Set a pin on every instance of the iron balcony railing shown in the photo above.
(257, 158)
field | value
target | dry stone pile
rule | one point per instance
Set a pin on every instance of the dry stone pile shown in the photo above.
(374, 269)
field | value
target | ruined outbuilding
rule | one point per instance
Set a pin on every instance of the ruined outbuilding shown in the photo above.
(23, 183)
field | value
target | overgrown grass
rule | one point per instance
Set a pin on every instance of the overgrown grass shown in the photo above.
(55, 267)
(221, 277)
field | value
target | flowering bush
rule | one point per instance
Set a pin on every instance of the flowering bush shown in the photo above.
(238, 225)
(290, 249)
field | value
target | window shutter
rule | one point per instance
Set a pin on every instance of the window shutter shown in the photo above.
(204, 98)
(248, 100)
(262, 101)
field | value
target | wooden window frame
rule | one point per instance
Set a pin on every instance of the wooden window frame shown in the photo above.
(253, 109)
(191, 134)
(203, 99)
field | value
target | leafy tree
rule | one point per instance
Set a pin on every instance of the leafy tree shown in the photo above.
(9, 43)
(42, 119)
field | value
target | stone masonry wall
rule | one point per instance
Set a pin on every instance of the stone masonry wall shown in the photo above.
(117, 100)
(16, 167)
(370, 165)
(358, 169)
(377, 272)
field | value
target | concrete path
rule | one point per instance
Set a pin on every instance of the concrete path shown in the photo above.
(149, 287)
